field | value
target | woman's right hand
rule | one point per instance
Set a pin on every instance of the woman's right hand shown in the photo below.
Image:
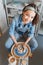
(16, 43)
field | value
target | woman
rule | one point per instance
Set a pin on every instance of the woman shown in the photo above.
(24, 25)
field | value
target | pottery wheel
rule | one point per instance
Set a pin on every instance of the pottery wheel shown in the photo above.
(20, 50)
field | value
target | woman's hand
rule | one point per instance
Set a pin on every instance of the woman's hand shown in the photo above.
(16, 43)
(24, 44)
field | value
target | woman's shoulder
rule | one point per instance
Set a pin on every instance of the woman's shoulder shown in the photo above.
(16, 17)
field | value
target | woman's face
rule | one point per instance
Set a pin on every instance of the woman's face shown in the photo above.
(28, 16)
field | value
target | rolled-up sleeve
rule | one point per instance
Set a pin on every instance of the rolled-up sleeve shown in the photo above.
(32, 30)
(12, 28)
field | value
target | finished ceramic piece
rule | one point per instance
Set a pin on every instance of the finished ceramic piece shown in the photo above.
(24, 62)
(12, 61)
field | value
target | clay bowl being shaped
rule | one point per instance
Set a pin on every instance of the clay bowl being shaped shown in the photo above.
(20, 50)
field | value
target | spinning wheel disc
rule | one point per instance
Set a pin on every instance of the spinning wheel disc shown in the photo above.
(20, 50)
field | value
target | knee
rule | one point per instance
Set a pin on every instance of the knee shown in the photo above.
(8, 43)
(35, 44)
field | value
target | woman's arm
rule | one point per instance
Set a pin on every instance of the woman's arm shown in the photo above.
(28, 39)
(12, 30)
(14, 39)
(30, 34)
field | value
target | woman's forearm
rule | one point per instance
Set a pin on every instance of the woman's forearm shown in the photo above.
(13, 38)
(28, 39)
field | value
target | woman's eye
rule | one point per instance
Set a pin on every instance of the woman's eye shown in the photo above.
(32, 17)
(27, 15)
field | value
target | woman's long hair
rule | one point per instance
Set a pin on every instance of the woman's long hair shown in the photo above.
(36, 18)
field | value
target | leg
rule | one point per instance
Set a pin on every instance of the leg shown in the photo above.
(33, 44)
